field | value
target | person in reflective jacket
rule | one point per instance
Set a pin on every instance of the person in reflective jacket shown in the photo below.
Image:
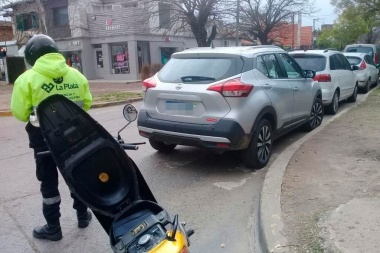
(49, 74)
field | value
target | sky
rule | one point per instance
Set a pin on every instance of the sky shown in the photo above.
(325, 15)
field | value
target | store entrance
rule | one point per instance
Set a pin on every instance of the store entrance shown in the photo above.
(143, 53)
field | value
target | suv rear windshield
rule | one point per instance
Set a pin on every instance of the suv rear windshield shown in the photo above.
(366, 50)
(200, 70)
(354, 60)
(310, 62)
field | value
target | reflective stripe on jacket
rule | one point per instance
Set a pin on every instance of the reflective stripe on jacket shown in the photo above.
(49, 75)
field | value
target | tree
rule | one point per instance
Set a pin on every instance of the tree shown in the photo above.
(202, 17)
(363, 11)
(346, 30)
(260, 17)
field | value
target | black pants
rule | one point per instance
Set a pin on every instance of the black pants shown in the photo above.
(47, 173)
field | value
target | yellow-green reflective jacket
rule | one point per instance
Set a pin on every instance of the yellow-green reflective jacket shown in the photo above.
(50, 75)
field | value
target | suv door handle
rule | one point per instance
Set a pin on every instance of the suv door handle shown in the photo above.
(296, 89)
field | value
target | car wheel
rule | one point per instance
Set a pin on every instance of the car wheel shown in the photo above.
(354, 95)
(316, 115)
(161, 146)
(367, 86)
(333, 107)
(260, 149)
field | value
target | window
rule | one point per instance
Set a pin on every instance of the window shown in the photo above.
(345, 63)
(310, 61)
(73, 59)
(360, 49)
(273, 69)
(200, 70)
(27, 21)
(335, 63)
(119, 58)
(291, 67)
(354, 60)
(164, 15)
(60, 16)
(369, 60)
(261, 66)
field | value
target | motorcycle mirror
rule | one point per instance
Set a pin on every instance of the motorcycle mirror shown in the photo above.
(130, 112)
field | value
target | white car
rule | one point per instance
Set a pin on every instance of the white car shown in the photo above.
(334, 74)
(368, 74)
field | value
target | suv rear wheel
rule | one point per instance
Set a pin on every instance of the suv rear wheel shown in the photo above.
(260, 149)
(161, 146)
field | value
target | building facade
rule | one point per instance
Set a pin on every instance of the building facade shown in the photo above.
(292, 36)
(106, 39)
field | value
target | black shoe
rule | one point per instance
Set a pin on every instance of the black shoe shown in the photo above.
(84, 219)
(48, 232)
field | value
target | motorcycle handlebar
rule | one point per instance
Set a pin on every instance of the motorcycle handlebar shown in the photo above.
(129, 147)
(43, 153)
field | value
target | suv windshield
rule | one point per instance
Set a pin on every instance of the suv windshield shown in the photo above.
(200, 70)
(354, 60)
(310, 62)
(366, 50)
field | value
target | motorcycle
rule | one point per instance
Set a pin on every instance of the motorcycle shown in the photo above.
(100, 173)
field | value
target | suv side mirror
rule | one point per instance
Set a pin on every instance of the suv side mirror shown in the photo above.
(308, 73)
(354, 67)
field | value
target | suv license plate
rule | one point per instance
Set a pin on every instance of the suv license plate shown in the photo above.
(179, 106)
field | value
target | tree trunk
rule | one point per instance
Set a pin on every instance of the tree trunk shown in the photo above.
(263, 37)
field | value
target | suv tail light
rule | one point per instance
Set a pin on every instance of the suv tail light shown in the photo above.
(363, 65)
(322, 78)
(148, 83)
(232, 88)
(376, 58)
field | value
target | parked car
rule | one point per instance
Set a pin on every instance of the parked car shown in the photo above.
(334, 73)
(229, 98)
(371, 49)
(368, 73)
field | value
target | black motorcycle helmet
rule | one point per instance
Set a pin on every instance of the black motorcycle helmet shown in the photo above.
(38, 46)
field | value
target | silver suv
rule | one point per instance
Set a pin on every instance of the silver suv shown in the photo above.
(229, 98)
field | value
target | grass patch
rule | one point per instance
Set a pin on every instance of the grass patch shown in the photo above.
(375, 92)
(115, 96)
(309, 236)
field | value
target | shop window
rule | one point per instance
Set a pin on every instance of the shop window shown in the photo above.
(73, 59)
(120, 59)
(27, 21)
(164, 15)
(166, 53)
(60, 16)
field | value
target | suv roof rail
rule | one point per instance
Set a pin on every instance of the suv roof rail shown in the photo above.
(264, 46)
(329, 49)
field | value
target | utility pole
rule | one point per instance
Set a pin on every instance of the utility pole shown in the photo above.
(299, 30)
(237, 22)
(293, 30)
(314, 34)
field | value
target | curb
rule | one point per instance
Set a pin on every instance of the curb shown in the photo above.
(96, 105)
(270, 221)
(99, 105)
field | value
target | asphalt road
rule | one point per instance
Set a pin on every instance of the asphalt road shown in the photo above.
(214, 193)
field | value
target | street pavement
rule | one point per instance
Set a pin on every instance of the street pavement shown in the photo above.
(218, 198)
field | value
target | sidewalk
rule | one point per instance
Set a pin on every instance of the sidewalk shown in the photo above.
(99, 90)
(330, 192)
